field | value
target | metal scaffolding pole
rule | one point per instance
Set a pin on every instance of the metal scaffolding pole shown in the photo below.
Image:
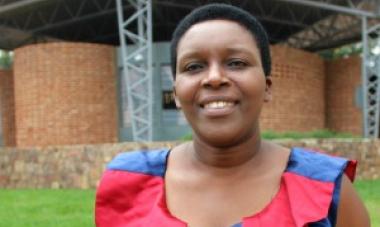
(332, 7)
(11, 7)
(364, 76)
(370, 78)
(137, 65)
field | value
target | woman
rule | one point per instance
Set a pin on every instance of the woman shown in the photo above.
(227, 176)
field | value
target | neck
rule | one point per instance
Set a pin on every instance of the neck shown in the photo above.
(227, 156)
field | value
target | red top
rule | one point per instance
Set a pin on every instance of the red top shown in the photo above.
(131, 192)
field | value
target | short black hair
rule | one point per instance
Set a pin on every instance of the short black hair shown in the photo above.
(228, 12)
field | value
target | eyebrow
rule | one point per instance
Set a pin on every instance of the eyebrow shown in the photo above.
(230, 50)
(239, 50)
(188, 54)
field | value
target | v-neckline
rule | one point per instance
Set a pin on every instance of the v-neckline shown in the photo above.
(281, 190)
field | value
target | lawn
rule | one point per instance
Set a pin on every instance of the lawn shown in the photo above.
(370, 193)
(74, 208)
(44, 207)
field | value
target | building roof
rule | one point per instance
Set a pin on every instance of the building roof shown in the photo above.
(294, 22)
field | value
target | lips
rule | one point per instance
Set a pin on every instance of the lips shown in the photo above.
(217, 100)
(218, 106)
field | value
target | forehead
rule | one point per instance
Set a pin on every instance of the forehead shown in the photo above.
(216, 33)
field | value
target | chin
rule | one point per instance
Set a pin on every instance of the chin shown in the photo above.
(220, 139)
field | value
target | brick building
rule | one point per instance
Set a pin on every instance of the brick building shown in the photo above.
(310, 93)
(72, 93)
(65, 93)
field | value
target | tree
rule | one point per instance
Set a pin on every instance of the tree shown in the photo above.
(6, 59)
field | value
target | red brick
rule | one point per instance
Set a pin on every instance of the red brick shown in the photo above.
(7, 107)
(65, 93)
(298, 102)
(343, 78)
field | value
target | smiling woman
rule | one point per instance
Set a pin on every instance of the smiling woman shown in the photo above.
(220, 85)
(227, 176)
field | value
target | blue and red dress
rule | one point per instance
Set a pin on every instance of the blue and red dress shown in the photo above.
(131, 192)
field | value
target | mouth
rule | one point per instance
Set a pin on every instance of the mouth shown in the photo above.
(216, 108)
(218, 104)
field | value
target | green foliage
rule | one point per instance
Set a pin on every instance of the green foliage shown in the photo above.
(318, 134)
(6, 59)
(343, 51)
(187, 137)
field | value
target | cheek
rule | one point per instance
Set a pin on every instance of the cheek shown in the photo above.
(254, 88)
(185, 91)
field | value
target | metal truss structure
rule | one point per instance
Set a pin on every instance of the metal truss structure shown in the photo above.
(33, 21)
(344, 26)
(137, 65)
(95, 20)
(370, 78)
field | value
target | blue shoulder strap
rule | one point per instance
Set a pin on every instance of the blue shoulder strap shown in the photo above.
(316, 165)
(152, 162)
(321, 167)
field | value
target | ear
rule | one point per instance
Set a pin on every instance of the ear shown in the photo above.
(177, 103)
(268, 89)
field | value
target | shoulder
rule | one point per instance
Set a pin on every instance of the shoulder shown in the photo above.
(133, 169)
(319, 166)
(131, 183)
(130, 173)
(152, 162)
(351, 210)
(314, 180)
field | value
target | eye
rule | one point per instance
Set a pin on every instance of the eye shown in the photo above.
(236, 64)
(194, 67)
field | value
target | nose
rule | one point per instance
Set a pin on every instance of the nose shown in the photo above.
(215, 77)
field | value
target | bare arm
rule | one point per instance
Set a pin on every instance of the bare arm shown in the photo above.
(351, 210)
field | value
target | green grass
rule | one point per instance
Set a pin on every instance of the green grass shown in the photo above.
(370, 193)
(74, 208)
(44, 207)
(318, 134)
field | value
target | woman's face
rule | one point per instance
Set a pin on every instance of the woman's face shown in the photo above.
(220, 83)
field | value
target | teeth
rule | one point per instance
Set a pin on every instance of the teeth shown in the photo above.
(218, 105)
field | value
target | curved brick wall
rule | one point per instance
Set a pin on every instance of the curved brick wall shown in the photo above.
(7, 107)
(65, 93)
(343, 78)
(297, 92)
